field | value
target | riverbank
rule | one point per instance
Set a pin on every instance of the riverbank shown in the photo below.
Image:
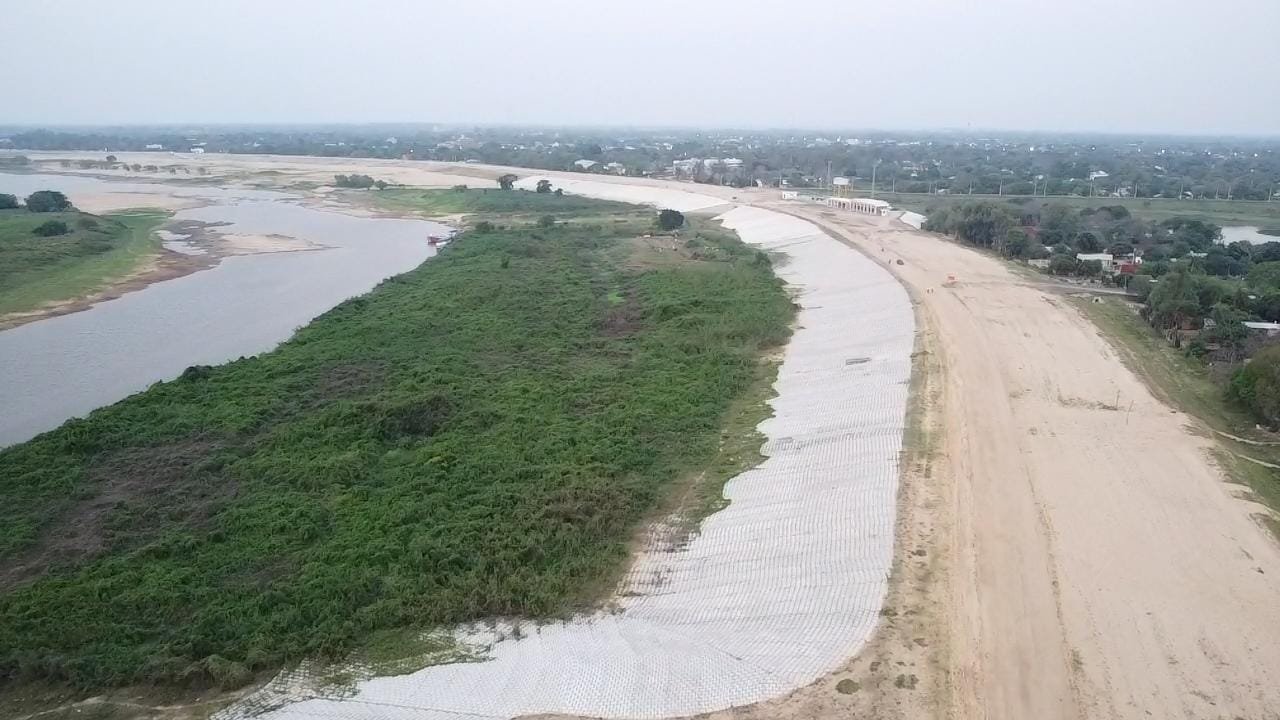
(474, 438)
(96, 257)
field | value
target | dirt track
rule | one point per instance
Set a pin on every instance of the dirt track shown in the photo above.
(1098, 564)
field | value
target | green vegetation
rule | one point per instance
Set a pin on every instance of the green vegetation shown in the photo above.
(479, 437)
(670, 220)
(1193, 387)
(45, 201)
(50, 228)
(507, 181)
(46, 257)
(1264, 215)
(361, 182)
(492, 201)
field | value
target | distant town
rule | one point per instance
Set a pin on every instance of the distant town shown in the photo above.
(936, 163)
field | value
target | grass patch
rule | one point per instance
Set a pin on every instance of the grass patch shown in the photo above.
(479, 437)
(494, 201)
(37, 270)
(1185, 383)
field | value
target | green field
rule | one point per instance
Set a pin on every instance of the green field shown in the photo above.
(1185, 383)
(479, 437)
(437, 202)
(36, 270)
(1263, 215)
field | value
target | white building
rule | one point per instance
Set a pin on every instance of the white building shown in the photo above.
(616, 167)
(155, 146)
(862, 205)
(585, 164)
(1269, 328)
(197, 150)
(685, 166)
(732, 163)
(1105, 259)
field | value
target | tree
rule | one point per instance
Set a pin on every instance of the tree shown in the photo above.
(984, 224)
(353, 181)
(1058, 224)
(8, 202)
(1264, 276)
(43, 201)
(544, 186)
(670, 219)
(484, 226)
(547, 221)
(1016, 242)
(1257, 385)
(1174, 301)
(508, 181)
(1087, 242)
(111, 158)
(51, 228)
(1063, 265)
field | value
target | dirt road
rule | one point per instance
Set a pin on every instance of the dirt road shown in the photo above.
(1098, 564)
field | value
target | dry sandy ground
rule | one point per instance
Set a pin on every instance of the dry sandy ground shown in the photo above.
(1096, 564)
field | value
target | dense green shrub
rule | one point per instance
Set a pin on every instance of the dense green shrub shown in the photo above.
(42, 201)
(51, 229)
(478, 437)
(1257, 385)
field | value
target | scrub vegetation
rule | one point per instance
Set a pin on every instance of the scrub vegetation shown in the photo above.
(479, 437)
(494, 200)
(59, 255)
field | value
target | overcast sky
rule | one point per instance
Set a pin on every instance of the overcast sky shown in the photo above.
(1186, 66)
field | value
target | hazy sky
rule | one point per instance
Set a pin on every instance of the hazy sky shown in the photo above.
(1112, 65)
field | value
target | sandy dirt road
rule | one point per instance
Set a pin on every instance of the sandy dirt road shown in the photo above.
(1098, 564)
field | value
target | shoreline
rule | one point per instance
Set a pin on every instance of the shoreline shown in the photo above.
(166, 263)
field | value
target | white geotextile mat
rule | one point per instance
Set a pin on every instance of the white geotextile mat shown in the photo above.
(777, 589)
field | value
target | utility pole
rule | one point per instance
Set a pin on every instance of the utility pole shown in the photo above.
(874, 165)
(830, 184)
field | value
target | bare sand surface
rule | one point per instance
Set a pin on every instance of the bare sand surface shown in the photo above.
(106, 202)
(253, 244)
(1097, 564)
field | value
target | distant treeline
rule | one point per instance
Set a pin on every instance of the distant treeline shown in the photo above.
(1015, 164)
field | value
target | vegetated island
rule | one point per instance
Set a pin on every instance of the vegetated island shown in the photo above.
(53, 254)
(482, 436)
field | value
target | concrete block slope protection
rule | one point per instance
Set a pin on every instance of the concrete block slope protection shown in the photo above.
(777, 590)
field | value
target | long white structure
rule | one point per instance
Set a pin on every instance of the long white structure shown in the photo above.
(862, 205)
(776, 590)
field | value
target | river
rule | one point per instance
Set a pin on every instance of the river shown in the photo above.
(64, 367)
(1247, 233)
